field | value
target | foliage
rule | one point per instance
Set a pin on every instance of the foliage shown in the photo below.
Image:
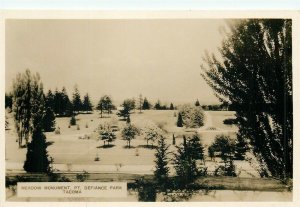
(105, 104)
(81, 177)
(140, 103)
(179, 120)
(255, 77)
(192, 116)
(8, 100)
(73, 121)
(106, 133)
(197, 103)
(27, 89)
(152, 133)
(37, 156)
(225, 146)
(172, 106)
(161, 171)
(59, 102)
(86, 104)
(129, 133)
(241, 147)
(127, 106)
(49, 120)
(146, 104)
(76, 101)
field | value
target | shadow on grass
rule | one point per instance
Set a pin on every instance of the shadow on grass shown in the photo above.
(147, 146)
(131, 147)
(106, 146)
(49, 143)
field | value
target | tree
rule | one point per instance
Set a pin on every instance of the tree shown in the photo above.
(127, 106)
(77, 104)
(192, 116)
(157, 105)
(129, 132)
(8, 100)
(37, 157)
(179, 120)
(171, 106)
(105, 103)
(146, 104)
(195, 147)
(106, 133)
(225, 145)
(24, 94)
(254, 76)
(241, 147)
(197, 103)
(49, 100)
(161, 171)
(152, 133)
(185, 165)
(67, 106)
(86, 104)
(73, 120)
(48, 120)
(140, 102)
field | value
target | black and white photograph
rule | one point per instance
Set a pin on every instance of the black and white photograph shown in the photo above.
(149, 109)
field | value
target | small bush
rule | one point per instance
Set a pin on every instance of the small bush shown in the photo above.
(72, 121)
(86, 125)
(57, 130)
(97, 158)
(78, 127)
(81, 177)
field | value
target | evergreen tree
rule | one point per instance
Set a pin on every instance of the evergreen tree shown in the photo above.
(106, 133)
(67, 106)
(157, 105)
(37, 156)
(140, 102)
(49, 101)
(105, 104)
(49, 120)
(127, 106)
(146, 104)
(86, 105)
(8, 100)
(73, 121)
(197, 103)
(185, 165)
(161, 171)
(58, 102)
(241, 148)
(195, 147)
(179, 120)
(171, 106)
(77, 105)
(254, 76)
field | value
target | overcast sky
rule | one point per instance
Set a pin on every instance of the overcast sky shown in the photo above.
(158, 58)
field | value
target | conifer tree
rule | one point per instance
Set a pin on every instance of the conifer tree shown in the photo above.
(197, 103)
(179, 120)
(37, 156)
(161, 171)
(146, 104)
(86, 104)
(171, 106)
(49, 120)
(77, 104)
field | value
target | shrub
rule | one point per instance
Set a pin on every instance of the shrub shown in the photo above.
(73, 121)
(192, 116)
(57, 131)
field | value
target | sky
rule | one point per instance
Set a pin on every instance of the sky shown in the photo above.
(159, 59)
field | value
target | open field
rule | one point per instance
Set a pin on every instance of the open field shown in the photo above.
(72, 153)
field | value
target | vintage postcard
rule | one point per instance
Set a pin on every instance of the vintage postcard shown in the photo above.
(187, 106)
